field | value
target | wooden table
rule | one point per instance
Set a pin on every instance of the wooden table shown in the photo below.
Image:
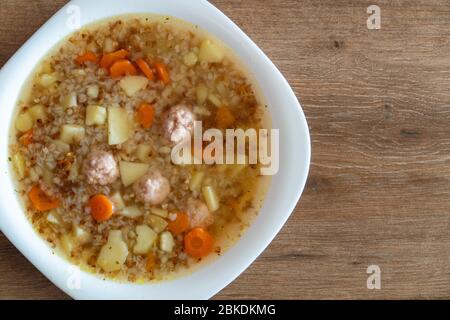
(378, 105)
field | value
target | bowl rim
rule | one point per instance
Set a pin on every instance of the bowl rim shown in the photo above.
(292, 177)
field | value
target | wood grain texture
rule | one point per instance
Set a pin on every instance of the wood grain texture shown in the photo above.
(378, 106)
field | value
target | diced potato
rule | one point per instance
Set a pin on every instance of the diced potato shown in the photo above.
(80, 235)
(53, 218)
(202, 93)
(70, 101)
(132, 212)
(166, 242)
(61, 146)
(74, 172)
(47, 80)
(95, 115)
(24, 122)
(19, 166)
(215, 100)
(196, 181)
(38, 112)
(109, 45)
(190, 59)
(131, 171)
(117, 200)
(146, 237)
(133, 84)
(46, 67)
(72, 133)
(67, 244)
(211, 199)
(119, 126)
(159, 212)
(114, 253)
(93, 91)
(158, 224)
(144, 152)
(210, 52)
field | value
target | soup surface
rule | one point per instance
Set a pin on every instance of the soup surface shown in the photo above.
(91, 148)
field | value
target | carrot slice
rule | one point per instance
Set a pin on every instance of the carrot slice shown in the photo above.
(180, 224)
(145, 68)
(122, 68)
(198, 243)
(224, 117)
(162, 72)
(108, 59)
(151, 262)
(145, 115)
(41, 201)
(101, 207)
(87, 56)
(27, 138)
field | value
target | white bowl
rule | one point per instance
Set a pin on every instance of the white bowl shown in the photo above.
(282, 197)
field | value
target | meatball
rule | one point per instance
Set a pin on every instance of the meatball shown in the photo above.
(153, 188)
(199, 215)
(178, 123)
(100, 168)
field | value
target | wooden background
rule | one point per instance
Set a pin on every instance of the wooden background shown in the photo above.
(378, 107)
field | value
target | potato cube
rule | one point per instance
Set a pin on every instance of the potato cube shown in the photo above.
(93, 91)
(70, 100)
(132, 212)
(211, 198)
(95, 115)
(146, 237)
(80, 235)
(114, 253)
(157, 223)
(119, 126)
(47, 80)
(38, 112)
(19, 166)
(210, 52)
(117, 200)
(166, 242)
(72, 133)
(24, 122)
(130, 171)
(133, 84)
(144, 152)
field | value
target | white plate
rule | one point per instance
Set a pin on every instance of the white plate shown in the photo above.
(282, 197)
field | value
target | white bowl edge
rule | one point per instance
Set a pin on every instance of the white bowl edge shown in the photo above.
(287, 185)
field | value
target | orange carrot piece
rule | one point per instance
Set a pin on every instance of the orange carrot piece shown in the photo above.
(108, 59)
(145, 115)
(27, 138)
(180, 224)
(224, 117)
(151, 262)
(162, 72)
(101, 208)
(145, 68)
(87, 56)
(41, 201)
(122, 68)
(198, 243)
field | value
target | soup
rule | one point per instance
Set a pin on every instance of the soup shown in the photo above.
(92, 142)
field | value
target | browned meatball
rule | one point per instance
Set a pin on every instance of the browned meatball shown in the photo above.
(100, 168)
(178, 123)
(199, 215)
(153, 188)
